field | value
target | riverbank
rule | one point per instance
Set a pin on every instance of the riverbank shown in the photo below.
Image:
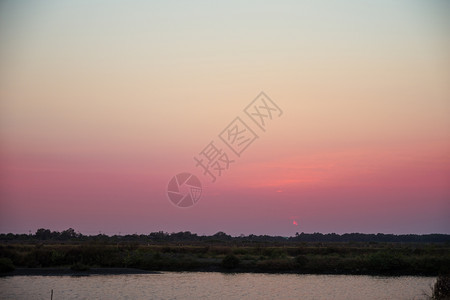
(133, 271)
(306, 258)
(70, 272)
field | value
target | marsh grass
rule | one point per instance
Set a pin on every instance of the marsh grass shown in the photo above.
(314, 258)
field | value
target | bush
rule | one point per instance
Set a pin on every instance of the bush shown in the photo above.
(441, 289)
(275, 265)
(274, 253)
(386, 262)
(6, 265)
(230, 261)
(79, 267)
(301, 260)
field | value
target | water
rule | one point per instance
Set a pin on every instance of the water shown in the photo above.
(186, 285)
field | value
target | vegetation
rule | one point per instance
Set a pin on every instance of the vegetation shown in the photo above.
(42, 235)
(6, 265)
(221, 252)
(230, 261)
(79, 267)
(441, 289)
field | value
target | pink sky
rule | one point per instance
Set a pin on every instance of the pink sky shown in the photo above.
(97, 115)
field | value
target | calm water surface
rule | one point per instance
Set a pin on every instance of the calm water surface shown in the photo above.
(186, 285)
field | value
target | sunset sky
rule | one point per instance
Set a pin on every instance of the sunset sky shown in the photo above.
(102, 102)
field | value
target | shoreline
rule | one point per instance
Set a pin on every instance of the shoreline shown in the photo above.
(70, 272)
(134, 271)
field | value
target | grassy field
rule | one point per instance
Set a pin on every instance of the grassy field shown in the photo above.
(312, 258)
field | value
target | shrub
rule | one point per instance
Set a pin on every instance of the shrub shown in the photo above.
(274, 253)
(441, 289)
(79, 267)
(386, 262)
(6, 265)
(230, 261)
(275, 265)
(301, 260)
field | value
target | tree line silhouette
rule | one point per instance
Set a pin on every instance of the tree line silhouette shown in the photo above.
(186, 236)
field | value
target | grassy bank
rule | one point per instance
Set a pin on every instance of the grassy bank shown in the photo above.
(312, 258)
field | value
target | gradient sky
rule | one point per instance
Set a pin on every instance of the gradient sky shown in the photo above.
(102, 102)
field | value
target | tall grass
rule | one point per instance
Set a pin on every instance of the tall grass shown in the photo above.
(340, 258)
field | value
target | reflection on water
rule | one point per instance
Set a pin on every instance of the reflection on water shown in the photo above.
(186, 285)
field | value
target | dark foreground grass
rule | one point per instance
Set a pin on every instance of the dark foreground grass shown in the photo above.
(308, 258)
